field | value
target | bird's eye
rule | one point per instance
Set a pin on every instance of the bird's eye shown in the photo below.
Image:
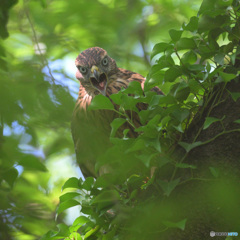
(82, 69)
(105, 61)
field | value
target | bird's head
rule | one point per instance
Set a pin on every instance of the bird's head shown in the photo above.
(94, 69)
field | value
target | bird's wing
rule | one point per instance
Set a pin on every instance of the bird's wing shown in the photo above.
(90, 132)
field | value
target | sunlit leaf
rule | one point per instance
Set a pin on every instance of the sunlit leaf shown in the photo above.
(67, 204)
(74, 236)
(71, 183)
(68, 196)
(80, 220)
(91, 232)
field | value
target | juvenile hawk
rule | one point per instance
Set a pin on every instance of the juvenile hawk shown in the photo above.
(98, 74)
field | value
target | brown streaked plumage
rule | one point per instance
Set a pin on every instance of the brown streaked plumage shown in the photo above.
(98, 74)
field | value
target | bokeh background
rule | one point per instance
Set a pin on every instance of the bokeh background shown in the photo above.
(40, 40)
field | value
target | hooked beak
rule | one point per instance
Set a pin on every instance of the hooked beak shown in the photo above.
(98, 80)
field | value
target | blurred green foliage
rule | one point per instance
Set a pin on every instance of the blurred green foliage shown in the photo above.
(125, 203)
(37, 91)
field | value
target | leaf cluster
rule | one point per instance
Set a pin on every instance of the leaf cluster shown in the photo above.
(199, 57)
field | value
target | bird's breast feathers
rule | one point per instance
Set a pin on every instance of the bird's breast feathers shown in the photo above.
(116, 82)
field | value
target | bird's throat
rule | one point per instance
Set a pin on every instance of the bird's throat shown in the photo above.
(100, 84)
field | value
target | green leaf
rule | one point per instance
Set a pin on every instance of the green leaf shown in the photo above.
(146, 158)
(163, 62)
(101, 102)
(180, 114)
(207, 23)
(117, 97)
(10, 176)
(50, 235)
(180, 224)
(68, 196)
(137, 145)
(237, 121)
(71, 183)
(154, 142)
(104, 181)
(207, 6)
(110, 235)
(209, 121)
(175, 34)
(125, 132)
(91, 232)
(226, 77)
(235, 95)
(185, 165)
(180, 91)
(116, 124)
(125, 101)
(74, 236)
(179, 128)
(107, 196)
(80, 221)
(219, 58)
(208, 67)
(196, 67)
(189, 146)
(159, 48)
(43, 3)
(32, 163)
(189, 57)
(172, 73)
(168, 187)
(214, 171)
(192, 26)
(62, 230)
(185, 43)
(134, 87)
(67, 204)
(88, 183)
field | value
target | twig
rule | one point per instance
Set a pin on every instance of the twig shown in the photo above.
(43, 59)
